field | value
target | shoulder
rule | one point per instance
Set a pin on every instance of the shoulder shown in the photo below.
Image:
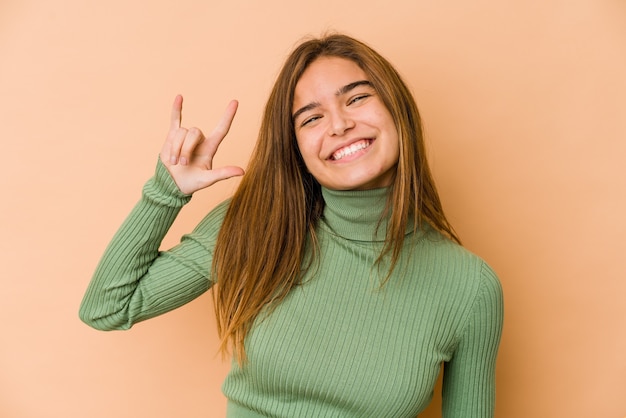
(455, 270)
(451, 259)
(468, 265)
(467, 288)
(476, 291)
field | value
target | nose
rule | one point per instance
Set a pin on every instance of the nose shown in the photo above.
(340, 123)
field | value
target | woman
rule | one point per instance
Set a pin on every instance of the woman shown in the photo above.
(341, 288)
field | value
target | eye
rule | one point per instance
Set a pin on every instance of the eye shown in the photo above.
(310, 120)
(358, 98)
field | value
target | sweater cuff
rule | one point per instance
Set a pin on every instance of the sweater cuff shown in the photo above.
(161, 189)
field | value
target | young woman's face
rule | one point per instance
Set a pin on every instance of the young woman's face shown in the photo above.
(346, 135)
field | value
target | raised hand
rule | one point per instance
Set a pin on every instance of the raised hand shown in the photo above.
(188, 154)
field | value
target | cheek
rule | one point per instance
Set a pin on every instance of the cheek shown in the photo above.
(308, 149)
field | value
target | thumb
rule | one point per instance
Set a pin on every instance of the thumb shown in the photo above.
(218, 174)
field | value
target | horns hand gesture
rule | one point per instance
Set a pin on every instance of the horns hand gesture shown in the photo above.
(188, 154)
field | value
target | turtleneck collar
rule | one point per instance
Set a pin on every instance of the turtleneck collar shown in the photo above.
(355, 214)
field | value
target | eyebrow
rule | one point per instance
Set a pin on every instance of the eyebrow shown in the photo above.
(341, 91)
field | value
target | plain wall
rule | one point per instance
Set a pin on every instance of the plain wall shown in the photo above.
(524, 105)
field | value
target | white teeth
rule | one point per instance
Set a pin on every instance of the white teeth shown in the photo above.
(349, 150)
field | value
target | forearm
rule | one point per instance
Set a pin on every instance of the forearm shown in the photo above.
(120, 292)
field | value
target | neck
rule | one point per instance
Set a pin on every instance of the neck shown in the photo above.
(356, 215)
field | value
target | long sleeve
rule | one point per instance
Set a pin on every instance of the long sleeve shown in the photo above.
(469, 377)
(134, 281)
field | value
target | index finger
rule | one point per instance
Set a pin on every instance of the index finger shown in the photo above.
(177, 112)
(223, 126)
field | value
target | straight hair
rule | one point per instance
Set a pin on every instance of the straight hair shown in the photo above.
(268, 236)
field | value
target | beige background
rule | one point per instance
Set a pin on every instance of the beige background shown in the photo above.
(524, 105)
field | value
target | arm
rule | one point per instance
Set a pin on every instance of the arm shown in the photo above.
(134, 281)
(469, 377)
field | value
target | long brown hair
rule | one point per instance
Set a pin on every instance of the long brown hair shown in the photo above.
(268, 235)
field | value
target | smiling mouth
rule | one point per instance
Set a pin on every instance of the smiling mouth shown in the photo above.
(350, 149)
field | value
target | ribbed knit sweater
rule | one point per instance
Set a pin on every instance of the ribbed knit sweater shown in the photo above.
(340, 344)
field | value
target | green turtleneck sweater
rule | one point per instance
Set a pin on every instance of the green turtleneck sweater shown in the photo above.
(339, 345)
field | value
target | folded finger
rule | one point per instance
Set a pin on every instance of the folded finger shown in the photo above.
(193, 138)
(176, 140)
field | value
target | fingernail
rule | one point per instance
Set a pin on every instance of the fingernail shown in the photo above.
(183, 160)
(173, 159)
